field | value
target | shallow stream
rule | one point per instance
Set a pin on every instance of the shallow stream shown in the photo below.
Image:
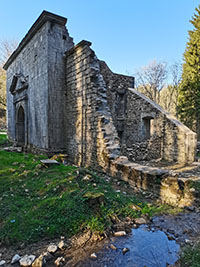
(146, 248)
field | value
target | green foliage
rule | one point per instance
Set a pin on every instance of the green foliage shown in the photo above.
(189, 93)
(4, 140)
(38, 202)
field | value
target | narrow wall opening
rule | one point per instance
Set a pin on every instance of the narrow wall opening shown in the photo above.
(20, 126)
(148, 127)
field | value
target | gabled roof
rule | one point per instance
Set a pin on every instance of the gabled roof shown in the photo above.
(44, 17)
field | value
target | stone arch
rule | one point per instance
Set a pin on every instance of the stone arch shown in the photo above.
(20, 126)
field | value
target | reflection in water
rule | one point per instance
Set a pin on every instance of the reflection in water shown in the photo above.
(147, 248)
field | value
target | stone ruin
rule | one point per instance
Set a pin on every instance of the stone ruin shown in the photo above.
(62, 98)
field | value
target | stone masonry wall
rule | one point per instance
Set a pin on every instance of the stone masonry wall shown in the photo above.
(59, 42)
(168, 138)
(32, 63)
(39, 61)
(91, 138)
(117, 85)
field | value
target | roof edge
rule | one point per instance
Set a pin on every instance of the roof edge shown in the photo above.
(44, 17)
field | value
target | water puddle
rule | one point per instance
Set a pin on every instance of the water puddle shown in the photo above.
(147, 248)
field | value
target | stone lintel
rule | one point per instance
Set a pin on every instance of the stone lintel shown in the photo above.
(80, 44)
(44, 17)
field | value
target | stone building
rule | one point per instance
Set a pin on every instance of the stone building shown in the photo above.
(62, 98)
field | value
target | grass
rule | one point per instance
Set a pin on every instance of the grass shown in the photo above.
(38, 202)
(191, 256)
(4, 140)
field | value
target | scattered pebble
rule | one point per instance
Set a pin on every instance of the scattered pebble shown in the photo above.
(61, 244)
(2, 263)
(38, 262)
(113, 247)
(59, 261)
(120, 233)
(52, 248)
(140, 221)
(27, 260)
(93, 256)
(125, 250)
(15, 259)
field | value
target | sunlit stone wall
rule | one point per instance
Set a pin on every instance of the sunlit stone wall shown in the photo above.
(91, 138)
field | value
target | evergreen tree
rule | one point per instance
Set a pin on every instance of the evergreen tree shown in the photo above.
(189, 92)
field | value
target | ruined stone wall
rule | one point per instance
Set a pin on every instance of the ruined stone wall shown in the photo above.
(91, 138)
(117, 85)
(166, 138)
(146, 131)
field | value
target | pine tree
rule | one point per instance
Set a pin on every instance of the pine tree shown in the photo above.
(189, 92)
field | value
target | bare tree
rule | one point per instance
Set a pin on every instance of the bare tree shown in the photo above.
(169, 95)
(6, 49)
(151, 79)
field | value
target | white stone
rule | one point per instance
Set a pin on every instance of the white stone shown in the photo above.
(49, 161)
(125, 250)
(120, 233)
(27, 260)
(140, 221)
(15, 259)
(93, 256)
(52, 248)
(2, 263)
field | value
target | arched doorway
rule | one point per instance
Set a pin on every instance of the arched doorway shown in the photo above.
(20, 127)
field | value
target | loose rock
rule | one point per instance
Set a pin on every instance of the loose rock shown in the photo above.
(38, 262)
(113, 247)
(27, 260)
(15, 259)
(125, 250)
(120, 233)
(59, 261)
(93, 256)
(52, 248)
(61, 244)
(140, 221)
(2, 263)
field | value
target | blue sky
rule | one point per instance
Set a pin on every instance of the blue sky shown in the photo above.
(127, 34)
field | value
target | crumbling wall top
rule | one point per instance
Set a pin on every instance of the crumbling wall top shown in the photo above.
(44, 17)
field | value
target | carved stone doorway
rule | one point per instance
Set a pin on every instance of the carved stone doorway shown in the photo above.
(20, 127)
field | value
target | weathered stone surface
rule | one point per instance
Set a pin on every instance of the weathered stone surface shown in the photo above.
(27, 260)
(52, 248)
(15, 259)
(38, 262)
(61, 244)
